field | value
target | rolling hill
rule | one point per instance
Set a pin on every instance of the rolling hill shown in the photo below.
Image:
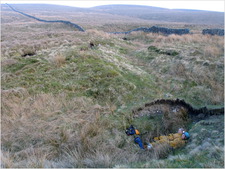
(153, 14)
(163, 14)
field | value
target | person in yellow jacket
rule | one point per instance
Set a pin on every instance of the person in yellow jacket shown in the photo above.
(176, 140)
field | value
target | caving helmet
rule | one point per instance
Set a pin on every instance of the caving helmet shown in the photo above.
(185, 135)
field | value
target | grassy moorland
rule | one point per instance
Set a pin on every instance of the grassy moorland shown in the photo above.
(67, 96)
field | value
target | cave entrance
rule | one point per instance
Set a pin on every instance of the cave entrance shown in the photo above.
(164, 117)
(161, 119)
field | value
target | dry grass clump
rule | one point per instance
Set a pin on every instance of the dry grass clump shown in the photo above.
(6, 160)
(218, 93)
(19, 92)
(212, 51)
(46, 126)
(98, 33)
(58, 59)
(209, 84)
(170, 40)
(142, 36)
(179, 69)
(162, 150)
(8, 62)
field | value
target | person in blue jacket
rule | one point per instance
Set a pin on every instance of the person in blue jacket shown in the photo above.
(137, 139)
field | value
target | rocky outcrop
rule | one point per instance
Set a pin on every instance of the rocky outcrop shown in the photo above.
(155, 29)
(51, 21)
(219, 32)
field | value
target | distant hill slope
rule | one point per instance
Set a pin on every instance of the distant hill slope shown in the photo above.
(144, 13)
(163, 14)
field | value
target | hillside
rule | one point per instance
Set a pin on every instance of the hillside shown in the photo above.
(165, 15)
(68, 96)
(43, 7)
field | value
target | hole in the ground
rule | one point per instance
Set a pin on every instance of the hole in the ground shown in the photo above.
(159, 122)
(161, 119)
(28, 54)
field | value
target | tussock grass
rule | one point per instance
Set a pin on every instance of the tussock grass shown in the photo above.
(162, 151)
(43, 127)
(100, 34)
(212, 51)
(189, 38)
(6, 160)
(58, 59)
(198, 63)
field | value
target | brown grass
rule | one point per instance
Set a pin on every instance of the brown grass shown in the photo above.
(6, 160)
(58, 59)
(47, 125)
(52, 131)
(212, 51)
(162, 151)
(200, 61)
(179, 69)
(216, 41)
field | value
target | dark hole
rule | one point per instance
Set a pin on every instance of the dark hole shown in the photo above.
(28, 54)
(91, 45)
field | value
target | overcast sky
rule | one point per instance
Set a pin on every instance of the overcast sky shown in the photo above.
(213, 5)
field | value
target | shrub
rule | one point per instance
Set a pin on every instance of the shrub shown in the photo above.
(212, 51)
(162, 151)
(58, 60)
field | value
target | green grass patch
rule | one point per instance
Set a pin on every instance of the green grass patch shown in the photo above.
(21, 64)
(163, 51)
(86, 75)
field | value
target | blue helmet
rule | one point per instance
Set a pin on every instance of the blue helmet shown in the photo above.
(187, 135)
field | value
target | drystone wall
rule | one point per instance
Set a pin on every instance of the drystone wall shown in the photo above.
(219, 32)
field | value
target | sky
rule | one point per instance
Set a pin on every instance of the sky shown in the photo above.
(212, 5)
